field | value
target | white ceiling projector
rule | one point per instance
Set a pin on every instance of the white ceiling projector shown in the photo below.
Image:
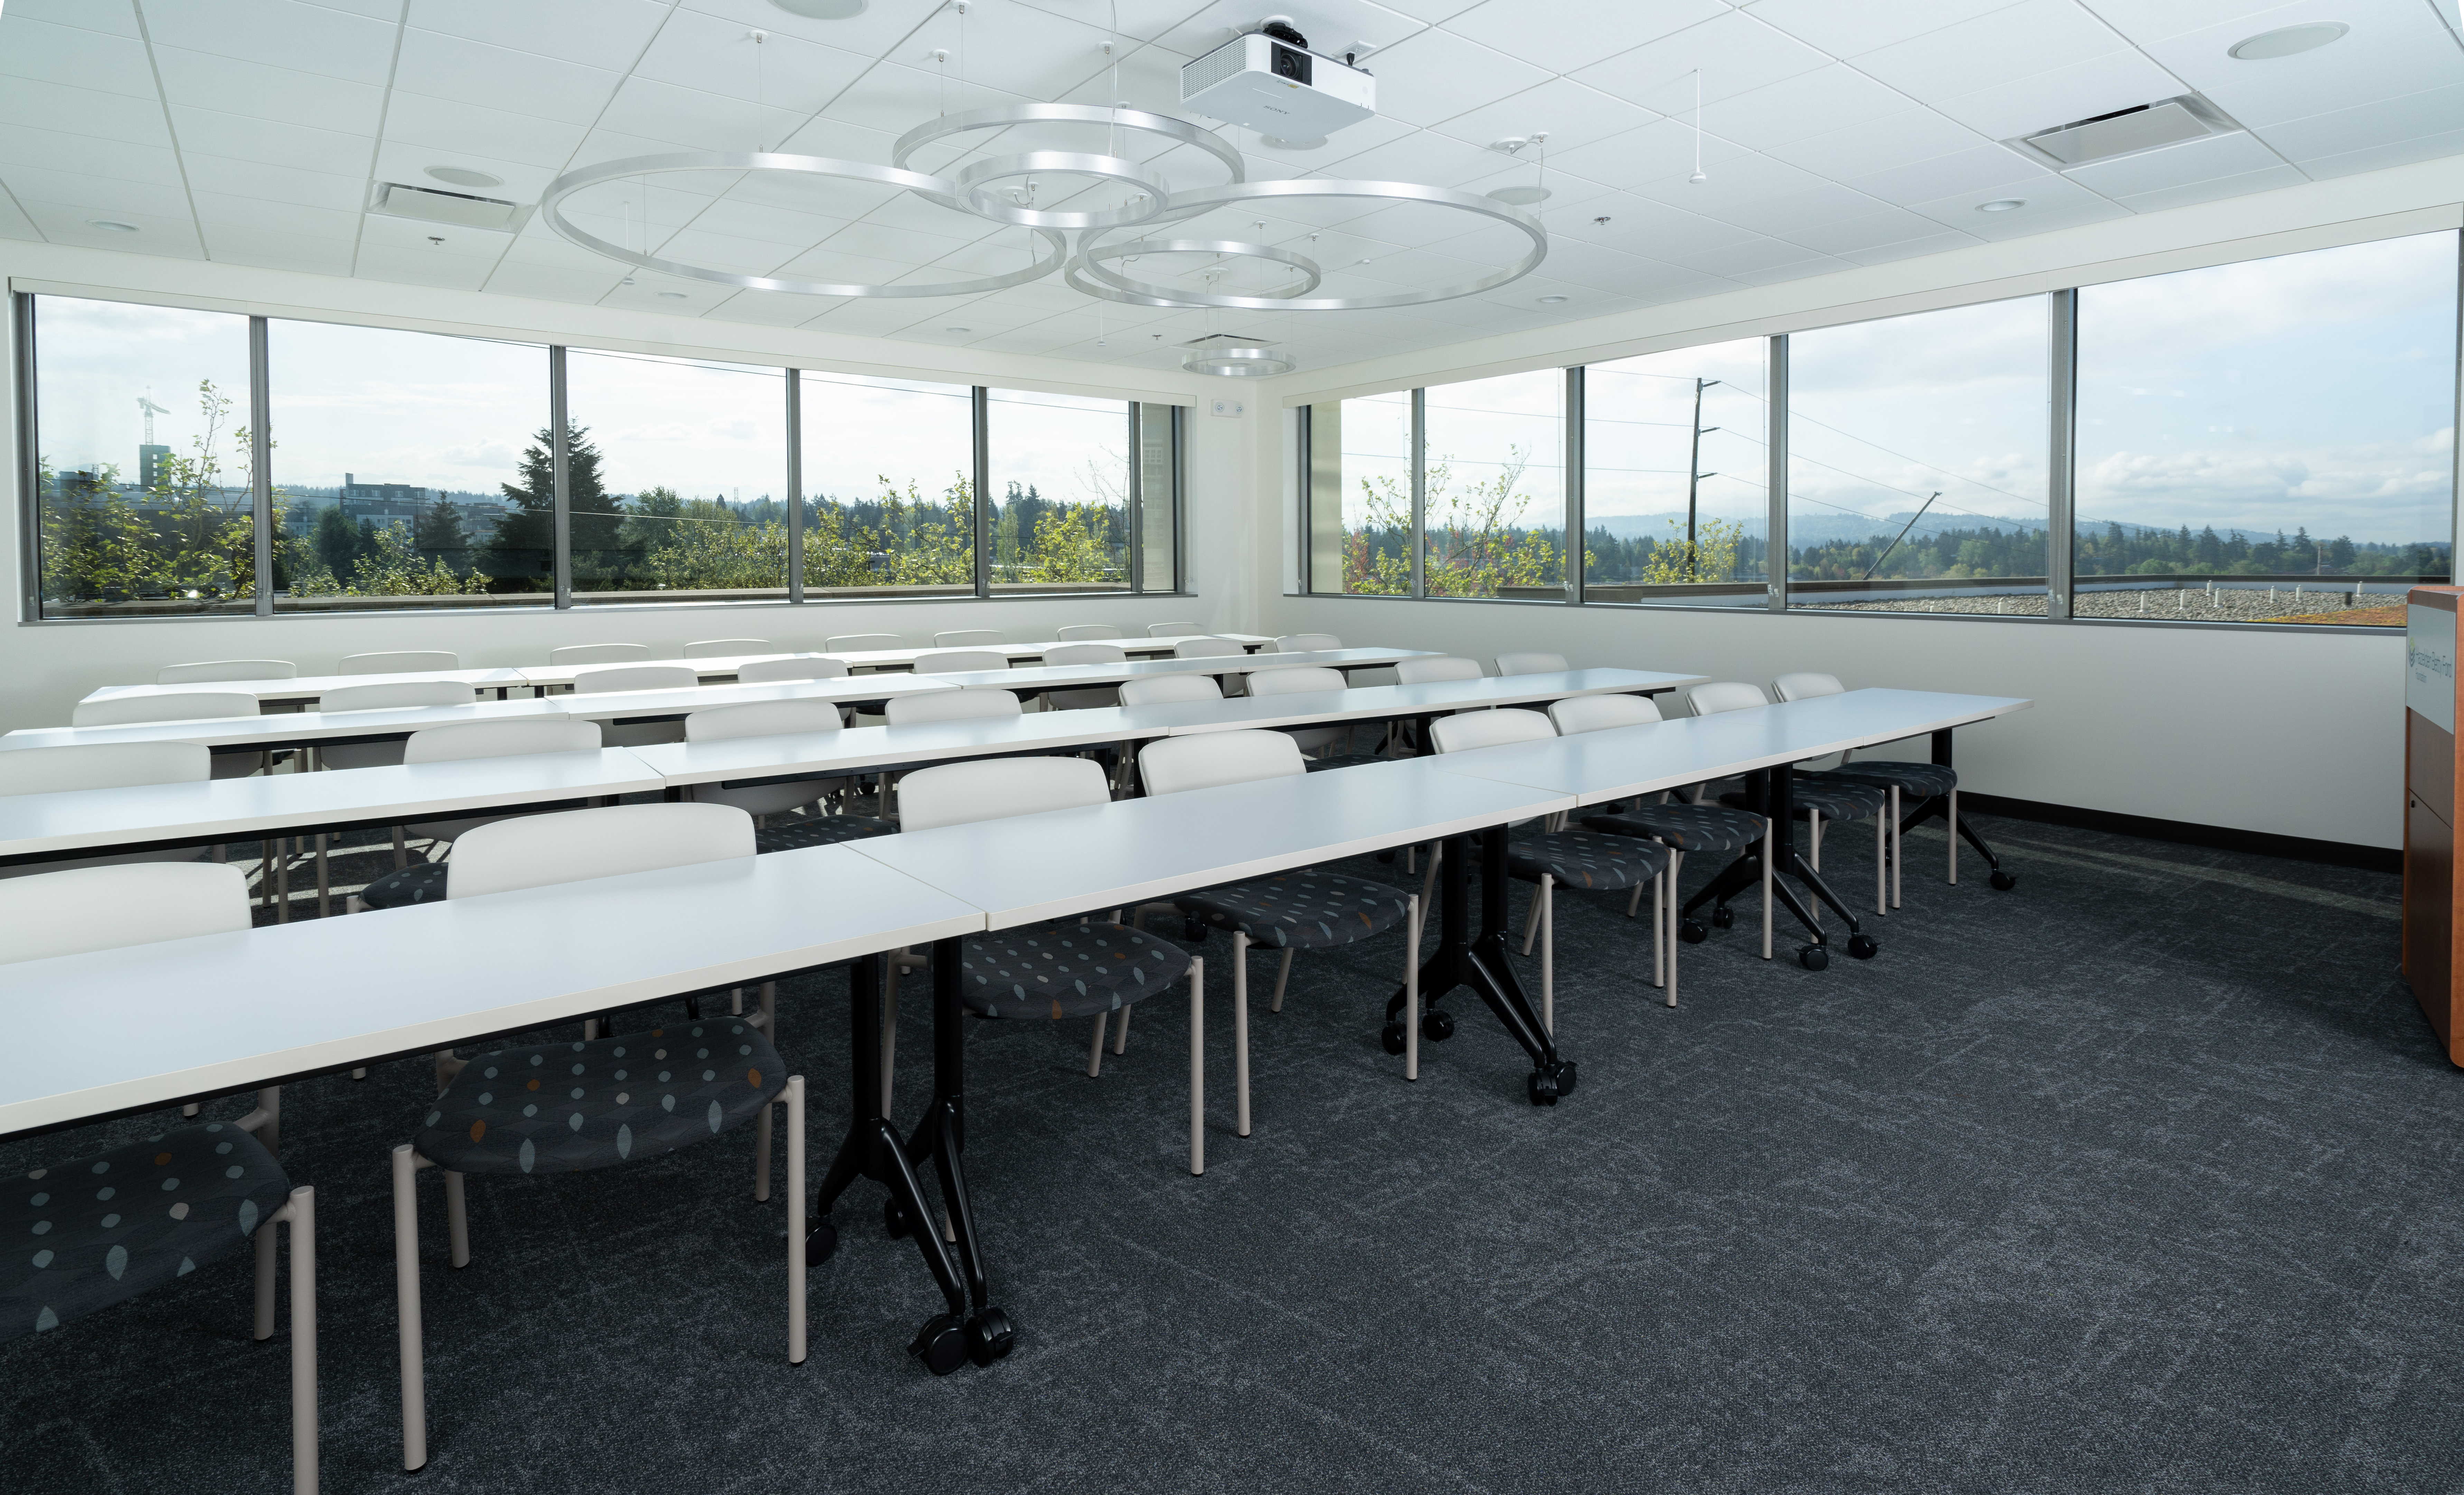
(1269, 82)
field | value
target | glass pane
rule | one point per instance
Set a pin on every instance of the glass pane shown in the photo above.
(1360, 495)
(142, 461)
(410, 470)
(1158, 477)
(1917, 462)
(1675, 478)
(1061, 483)
(2270, 440)
(1494, 509)
(677, 472)
(889, 505)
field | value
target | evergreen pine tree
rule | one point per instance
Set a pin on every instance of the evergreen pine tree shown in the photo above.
(521, 554)
(440, 534)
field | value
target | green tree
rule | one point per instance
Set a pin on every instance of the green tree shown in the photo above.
(335, 541)
(520, 553)
(441, 533)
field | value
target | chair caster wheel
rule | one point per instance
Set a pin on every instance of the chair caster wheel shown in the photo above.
(1565, 1077)
(1541, 1088)
(1692, 932)
(1724, 917)
(941, 1344)
(1437, 1025)
(1863, 947)
(1814, 957)
(1193, 931)
(989, 1336)
(2002, 881)
(821, 1242)
(1391, 1037)
(1387, 856)
(894, 1221)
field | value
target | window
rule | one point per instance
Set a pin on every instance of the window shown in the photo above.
(1493, 487)
(142, 461)
(1158, 495)
(1360, 496)
(1676, 477)
(1917, 462)
(2272, 440)
(890, 507)
(1060, 479)
(410, 470)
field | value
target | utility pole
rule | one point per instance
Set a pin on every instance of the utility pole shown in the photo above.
(1694, 476)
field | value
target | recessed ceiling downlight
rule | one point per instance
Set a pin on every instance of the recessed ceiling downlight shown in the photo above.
(1552, 301)
(1520, 196)
(672, 295)
(2287, 40)
(464, 176)
(111, 224)
(2003, 204)
(823, 10)
(957, 329)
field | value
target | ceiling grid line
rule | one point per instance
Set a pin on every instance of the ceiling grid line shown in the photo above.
(376, 146)
(163, 99)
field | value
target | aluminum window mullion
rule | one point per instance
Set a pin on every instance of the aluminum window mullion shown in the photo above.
(1775, 496)
(795, 486)
(1174, 460)
(560, 504)
(30, 496)
(2061, 435)
(260, 474)
(983, 491)
(1136, 517)
(1418, 537)
(1576, 527)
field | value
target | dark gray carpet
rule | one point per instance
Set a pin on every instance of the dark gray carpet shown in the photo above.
(2138, 1177)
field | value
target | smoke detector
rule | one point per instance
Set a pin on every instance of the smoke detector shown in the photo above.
(1233, 355)
(2124, 132)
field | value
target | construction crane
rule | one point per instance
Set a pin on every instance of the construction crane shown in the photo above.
(145, 403)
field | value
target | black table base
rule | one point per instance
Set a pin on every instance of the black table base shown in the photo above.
(1479, 962)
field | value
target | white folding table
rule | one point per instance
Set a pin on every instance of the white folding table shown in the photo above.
(286, 729)
(313, 687)
(637, 706)
(723, 667)
(1037, 679)
(861, 749)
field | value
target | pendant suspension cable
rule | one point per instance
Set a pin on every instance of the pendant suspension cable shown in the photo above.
(1698, 126)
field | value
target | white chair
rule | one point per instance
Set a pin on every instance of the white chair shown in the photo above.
(597, 654)
(1428, 668)
(1083, 654)
(1578, 858)
(606, 1107)
(962, 636)
(425, 881)
(1208, 647)
(1531, 664)
(1597, 713)
(1157, 690)
(389, 695)
(1910, 784)
(1307, 643)
(812, 667)
(182, 705)
(1086, 631)
(959, 661)
(1305, 680)
(1084, 967)
(1305, 908)
(1718, 695)
(967, 703)
(55, 771)
(209, 670)
(400, 662)
(1173, 630)
(725, 648)
(191, 1194)
(604, 678)
(764, 719)
(863, 642)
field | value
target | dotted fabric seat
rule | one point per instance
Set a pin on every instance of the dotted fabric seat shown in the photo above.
(420, 882)
(1065, 969)
(1837, 799)
(1586, 859)
(1917, 781)
(782, 834)
(1686, 828)
(1307, 909)
(81, 1236)
(570, 1107)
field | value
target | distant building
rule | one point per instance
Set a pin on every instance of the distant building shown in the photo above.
(384, 502)
(149, 465)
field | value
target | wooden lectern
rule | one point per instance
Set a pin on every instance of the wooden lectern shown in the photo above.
(2431, 779)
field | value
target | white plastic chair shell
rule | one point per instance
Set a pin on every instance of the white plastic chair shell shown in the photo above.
(1801, 685)
(863, 642)
(1727, 695)
(1469, 729)
(101, 908)
(1597, 713)
(1420, 672)
(1207, 648)
(960, 662)
(1301, 679)
(577, 845)
(995, 789)
(597, 654)
(1307, 643)
(1204, 760)
(460, 740)
(965, 704)
(602, 678)
(1173, 630)
(180, 706)
(961, 638)
(818, 666)
(1532, 662)
(1079, 631)
(208, 670)
(390, 694)
(1085, 654)
(762, 719)
(399, 662)
(725, 648)
(53, 770)
(1157, 690)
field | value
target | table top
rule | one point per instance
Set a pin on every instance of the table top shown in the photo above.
(284, 728)
(610, 706)
(1119, 854)
(720, 666)
(1365, 703)
(1622, 762)
(229, 1012)
(861, 748)
(1063, 677)
(233, 810)
(309, 687)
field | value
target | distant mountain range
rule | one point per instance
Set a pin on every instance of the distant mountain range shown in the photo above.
(1806, 528)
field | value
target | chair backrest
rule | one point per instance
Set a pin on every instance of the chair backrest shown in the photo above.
(1172, 630)
(399, 662)
(208, 670)
(1157, 690)
(1298, 680)
(1203, 760)
(1595, 713)
(1531, 664)
(601, 678)
(1726, 695)
(1085, 654)
(1468, 729)
(1435, 667)
(958, 637)
(50, 770)
(577, 845)
(761, 719)
(995, 789)
(1206, 648)
(725, 648)
(597, 654)
(461, 740)
(102, 909)
(1087, 630)
(1307, 643)
(178, 705)
(960, 662)
(398, 693)
(811, 666)
(1798, 686)
(965, 703)
(863, 641)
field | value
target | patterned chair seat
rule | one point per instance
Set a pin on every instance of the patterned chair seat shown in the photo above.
(1065, 969)
(784, 833)
(569, 1107)
(1586, 859)
(420, 882)
(1916, 781)
(1684, 828)
(1307, 909)
(1837, 799)
(86, 1234)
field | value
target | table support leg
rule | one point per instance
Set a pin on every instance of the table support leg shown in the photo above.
(1772, 794)
(1463, 959)
(942, 1138)
(1959, 825)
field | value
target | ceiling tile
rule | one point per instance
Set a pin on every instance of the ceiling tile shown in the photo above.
(326, 44)
(1145, 20)
(1649, 154)
(1436, 75)
(1893, 141)
(601, 33)
(1999, 47)
(1639, 226)
(2144, 21)
(1987, 170)
(548, 284)
(1773, 275)
(1012, 48)
(110, 197)
(13, 223)
(118, 20)
(1727, 56)
(708, 54)
(519, 181)
(1562, 36)
(1735, 259)
(103, 62)
(410, 267)
(66, 223)
(2407, 116)
(880, 25)
(777, 226)
(49, 106)
(1784, 216)
(1868, 231)
(667, 295)
(203, 80)
(417, 238)
(703, 250)
(250, 217)
(1340, 146)
(281, 252)
(1848, 31)
(2378, 158)
(1567, 193)
(1910, 248)
(760, 308)
(442, 124)
(895, 99)
(2265, 179)
(1824, 101)
(301, 147)
(1747, 178)
(2080, 91)
(2176, 166)
(87, 155)
(2050, 203)
(255, 179)
(1571, 114)
(461, 71)
(2393, 48)
(695, 119)
(1426, 157)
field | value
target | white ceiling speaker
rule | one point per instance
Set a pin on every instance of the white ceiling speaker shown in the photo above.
(823, 10)
(465, 176)
(2003, 204)
(1231, 355)
(2287, 40)
(2124, 132)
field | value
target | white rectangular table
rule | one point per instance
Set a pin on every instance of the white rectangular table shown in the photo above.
(1084, 677)
(1384, 703)
(287, 729)
(723, 667)
(862, 749)
(626, 705)
(311, 687)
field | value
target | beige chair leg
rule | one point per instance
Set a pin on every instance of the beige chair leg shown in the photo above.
(457, 1219)
(265, 1122)
(1668, 918)
(1283, 973)
(405, 1286)
(1547, 903)
(1240, 1031)
(1412, 990)
(301, 1215)
(1898, 847)
(795, 1281)
(1121, 1033)
(1095, 1047)
(1197, 1065)
(1429, 880)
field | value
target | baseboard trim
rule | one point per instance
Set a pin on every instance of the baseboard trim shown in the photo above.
(2264, 843)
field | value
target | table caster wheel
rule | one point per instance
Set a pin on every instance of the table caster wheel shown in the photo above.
(1814, 957)
(1863, 947)
(1692, 932)
(1724, 917)
(1391, 1037)
(894, 1221)
(1387, 856)
(989, 1336)
(941, 1344)
(2002, 881)
(821, 1242)
(1565, 1077)
(1437, 1025)
(1541, 1088)
(1193, 931)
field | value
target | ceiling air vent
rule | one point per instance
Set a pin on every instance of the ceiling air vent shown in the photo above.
(460, 209)
(2124, 132)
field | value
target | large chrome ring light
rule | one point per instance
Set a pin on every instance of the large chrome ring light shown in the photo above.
(975, 180)
(1179, 131)
(1307, 267)
(1056, 250)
